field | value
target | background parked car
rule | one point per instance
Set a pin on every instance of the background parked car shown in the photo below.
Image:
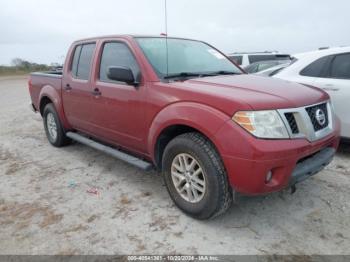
(271, 71)
(245, 59)
(262, 65)
(56, 68)
(328, 69)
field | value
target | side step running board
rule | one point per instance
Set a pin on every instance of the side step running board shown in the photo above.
(111, 151)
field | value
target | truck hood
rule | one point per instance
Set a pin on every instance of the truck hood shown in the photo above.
(257, 92)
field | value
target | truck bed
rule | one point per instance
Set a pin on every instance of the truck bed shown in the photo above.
(39, 80)
(56, 74)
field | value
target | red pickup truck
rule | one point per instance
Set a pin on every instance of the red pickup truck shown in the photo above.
(182, 107)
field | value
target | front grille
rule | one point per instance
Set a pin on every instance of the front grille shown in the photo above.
(312, 111)
(292, 122)
(312, 122)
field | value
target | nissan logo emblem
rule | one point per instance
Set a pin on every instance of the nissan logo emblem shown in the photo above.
(320, 117)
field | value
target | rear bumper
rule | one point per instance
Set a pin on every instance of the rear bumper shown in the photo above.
(249, 160)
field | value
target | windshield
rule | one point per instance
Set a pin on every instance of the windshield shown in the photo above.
(185, 57)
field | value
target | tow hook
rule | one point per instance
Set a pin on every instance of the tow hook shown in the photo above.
(293, 189)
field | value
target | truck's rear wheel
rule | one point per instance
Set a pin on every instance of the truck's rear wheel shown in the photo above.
(195, 176)
(53, 127)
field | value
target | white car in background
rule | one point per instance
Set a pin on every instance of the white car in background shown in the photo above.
(272, 70)
(328, 69)
(245, 59)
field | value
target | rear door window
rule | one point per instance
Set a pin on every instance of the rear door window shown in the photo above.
(84, 64)
(317, 68)
(341, 67)
(75, 60)
(82, 59)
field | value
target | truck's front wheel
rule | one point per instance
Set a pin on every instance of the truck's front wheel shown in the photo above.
(53, 127)
(195, 176)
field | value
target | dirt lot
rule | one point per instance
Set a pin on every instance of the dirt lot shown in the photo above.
(45, 207)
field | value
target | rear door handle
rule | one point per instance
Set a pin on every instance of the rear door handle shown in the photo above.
(67, 87)
(96, 92)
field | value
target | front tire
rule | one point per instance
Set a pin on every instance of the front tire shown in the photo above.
(53, 127)
(195, 176)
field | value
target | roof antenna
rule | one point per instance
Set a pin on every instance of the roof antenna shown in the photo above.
(166, 36)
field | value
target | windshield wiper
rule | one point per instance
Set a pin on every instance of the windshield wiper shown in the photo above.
(182, 74)
(200, 74)
(223, 72)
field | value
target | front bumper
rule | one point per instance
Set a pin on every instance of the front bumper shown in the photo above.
(248, 160)
(312, 165)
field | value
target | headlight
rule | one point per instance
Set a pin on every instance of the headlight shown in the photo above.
(263, 124)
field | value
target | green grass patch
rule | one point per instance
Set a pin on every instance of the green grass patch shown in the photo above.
(14, 71)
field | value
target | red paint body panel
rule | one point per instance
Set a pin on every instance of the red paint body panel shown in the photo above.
(133, 118)
(205, 119)
(248, 159)
(41, 87)
(259, 92)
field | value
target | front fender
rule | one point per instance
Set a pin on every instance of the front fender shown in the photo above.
(54, 95)
(204, 118)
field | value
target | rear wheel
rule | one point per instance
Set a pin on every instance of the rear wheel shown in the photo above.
(195, 176)
(53, 127)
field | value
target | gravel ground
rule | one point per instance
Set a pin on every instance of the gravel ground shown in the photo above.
(45, 207)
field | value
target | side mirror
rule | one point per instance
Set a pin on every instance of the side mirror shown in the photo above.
(121, 74)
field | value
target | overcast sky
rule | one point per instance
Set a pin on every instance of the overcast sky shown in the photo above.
(42, 30)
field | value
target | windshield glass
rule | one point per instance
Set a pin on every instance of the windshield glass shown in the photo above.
(184, 56)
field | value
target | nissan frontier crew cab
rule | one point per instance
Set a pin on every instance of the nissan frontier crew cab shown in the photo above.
(184, 108)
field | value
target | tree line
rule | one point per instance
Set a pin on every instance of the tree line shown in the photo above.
(21, 66)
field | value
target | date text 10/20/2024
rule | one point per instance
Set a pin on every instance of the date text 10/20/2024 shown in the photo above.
(172, 258)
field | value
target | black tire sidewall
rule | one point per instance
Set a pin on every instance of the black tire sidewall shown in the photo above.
(208, 204)
(49, 108)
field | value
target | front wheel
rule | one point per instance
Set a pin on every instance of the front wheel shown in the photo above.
(53, 127)
(195, 176)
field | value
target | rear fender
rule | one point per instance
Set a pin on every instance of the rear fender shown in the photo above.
(203, 118)
(54, 95)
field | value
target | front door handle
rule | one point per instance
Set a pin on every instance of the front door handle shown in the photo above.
(67, 87)
(96, 92)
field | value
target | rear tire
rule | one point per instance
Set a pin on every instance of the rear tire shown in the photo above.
(199, 188)
(53, 127)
